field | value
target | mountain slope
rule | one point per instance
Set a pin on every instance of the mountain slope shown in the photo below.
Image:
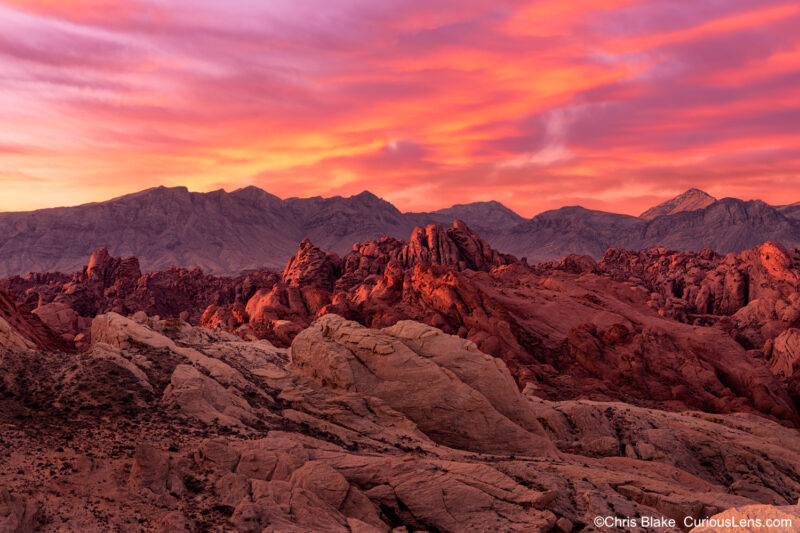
(691, 200)
(337, 223)
(222, 232)
(481, 215)
(727, 225)
(248, 229)
(569, 230)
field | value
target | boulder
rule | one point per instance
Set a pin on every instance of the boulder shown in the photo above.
(348, 356)
(59, 317)
(154, 469)
(205, 399)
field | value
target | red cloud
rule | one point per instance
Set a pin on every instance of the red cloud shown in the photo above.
(607, 104)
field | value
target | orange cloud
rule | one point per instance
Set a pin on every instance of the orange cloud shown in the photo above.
(754, 18)
(534, 103)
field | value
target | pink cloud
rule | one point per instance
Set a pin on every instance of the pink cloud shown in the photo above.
(608, 104)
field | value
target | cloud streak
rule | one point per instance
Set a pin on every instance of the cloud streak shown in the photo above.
(609, 104)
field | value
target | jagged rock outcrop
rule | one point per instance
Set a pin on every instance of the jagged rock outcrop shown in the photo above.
(311, 267)
(110, 270)
(68, 303)
(613, 330)
(458, 246)
(752, 295)
(705, 283)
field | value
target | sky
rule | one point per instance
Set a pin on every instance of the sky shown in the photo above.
(609, 104)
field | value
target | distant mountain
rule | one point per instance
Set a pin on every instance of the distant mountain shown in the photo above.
(223, 233)
(727, 225)
(691, 200)
(337, 223)
(569, 230)
(791, 211)
(219, 231)
(227, 233)
(482, 215)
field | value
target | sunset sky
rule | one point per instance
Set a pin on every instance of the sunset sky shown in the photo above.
(610, 104)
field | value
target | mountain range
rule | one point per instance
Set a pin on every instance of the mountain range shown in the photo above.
(246, 229)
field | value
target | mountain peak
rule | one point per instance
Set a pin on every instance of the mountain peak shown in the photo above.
(161, 191)
(366, 197)
(691, 200)
(482, 214)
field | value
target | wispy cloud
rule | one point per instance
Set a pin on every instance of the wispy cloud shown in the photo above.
(554, 149)
(535, 103)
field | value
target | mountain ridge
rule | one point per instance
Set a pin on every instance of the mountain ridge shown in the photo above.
(249, 228)
(691, 200)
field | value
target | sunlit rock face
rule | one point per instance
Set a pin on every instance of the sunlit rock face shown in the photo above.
(163, 426)
(673, 330)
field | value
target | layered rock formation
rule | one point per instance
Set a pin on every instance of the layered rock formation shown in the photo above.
(161, 426)
(655, 328)
(455, 410)
(752, 295)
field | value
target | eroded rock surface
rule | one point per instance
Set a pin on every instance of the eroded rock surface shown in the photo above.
(161, 426)
(20, 329)
(427, 388)
(753, 519)
(672, 330)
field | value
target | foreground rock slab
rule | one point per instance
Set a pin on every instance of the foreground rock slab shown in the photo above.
(160, 426)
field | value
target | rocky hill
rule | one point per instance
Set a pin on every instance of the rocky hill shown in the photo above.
(248, 229)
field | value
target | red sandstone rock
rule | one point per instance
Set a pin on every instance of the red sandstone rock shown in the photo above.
(613, 330)
(311, 267)
(167, 427)
(19, 328)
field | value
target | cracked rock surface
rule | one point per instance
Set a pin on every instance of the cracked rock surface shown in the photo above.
(161, 426)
